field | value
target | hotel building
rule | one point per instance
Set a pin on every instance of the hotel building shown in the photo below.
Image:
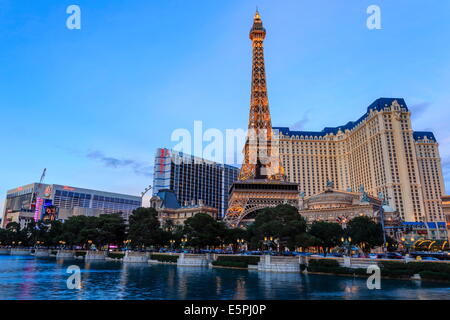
(379, 151)
(446, 210)
(165, 202)
(29, 202)
(193, 179)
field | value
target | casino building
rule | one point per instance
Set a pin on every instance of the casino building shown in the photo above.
(379, 151)
(25, 203)
(165, 202)
(446, 210)
(193, 179)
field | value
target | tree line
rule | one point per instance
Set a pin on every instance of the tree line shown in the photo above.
(274, 228)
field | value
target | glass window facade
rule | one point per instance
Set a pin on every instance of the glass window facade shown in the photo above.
(194, 179)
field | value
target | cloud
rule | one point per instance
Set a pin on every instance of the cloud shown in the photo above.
(299, 125)
(139, 168)
(418, 108)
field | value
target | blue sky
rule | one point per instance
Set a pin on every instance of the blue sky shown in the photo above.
(92, 105)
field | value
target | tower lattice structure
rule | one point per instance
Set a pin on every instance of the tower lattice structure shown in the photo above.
(261, 156)
(261, 181)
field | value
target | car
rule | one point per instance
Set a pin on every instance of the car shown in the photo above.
(335, 254)
(304, 254)
(394, 255)
(430, 259)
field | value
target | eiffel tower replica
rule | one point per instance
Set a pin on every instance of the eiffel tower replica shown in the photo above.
(262, 182)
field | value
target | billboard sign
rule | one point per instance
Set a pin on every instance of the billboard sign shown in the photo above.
(38, 208)
(50, 211)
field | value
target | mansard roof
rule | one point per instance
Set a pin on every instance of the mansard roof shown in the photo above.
(377, 105)
(420, 135)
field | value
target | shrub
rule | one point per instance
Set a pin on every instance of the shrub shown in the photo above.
(116, 255)
(80, 253)
(429, 269)
(235, 264)
(164, 258)
(241, 260)
(417, 267)
(325, 263)
(332, 266)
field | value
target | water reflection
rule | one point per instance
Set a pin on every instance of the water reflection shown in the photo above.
(45, 278)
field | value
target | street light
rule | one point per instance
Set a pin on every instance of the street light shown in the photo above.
(347, 243)
(172, 242)
(268, 241)
(183, 241)
(126, 242)
(240, 243)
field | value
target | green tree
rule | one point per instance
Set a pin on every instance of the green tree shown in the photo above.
(328, 234)
(306, 240)
(202, 231)
(232, 235)
(78, 230)
(6, 237)
(282, 222)
(35, 231)
(16, 234)
(144, 228)
(54, 233)
(365, 232)
(111, 229)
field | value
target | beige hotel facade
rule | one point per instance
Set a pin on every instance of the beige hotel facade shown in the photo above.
(379, 151)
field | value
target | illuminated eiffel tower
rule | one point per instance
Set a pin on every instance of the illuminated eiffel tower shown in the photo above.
(261, 180)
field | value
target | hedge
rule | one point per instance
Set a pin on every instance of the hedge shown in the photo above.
(253, 260)
(235, 264)
(332, 266)
(80, 253)
(116, 255)
(164, 258)
(325, 263)
(427, 270)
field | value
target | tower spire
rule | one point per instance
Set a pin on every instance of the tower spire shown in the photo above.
(260, 159)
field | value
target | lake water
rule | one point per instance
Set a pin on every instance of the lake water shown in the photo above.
(27, 277)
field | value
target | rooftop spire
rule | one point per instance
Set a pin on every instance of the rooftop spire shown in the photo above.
(257, 32)
(257, 16)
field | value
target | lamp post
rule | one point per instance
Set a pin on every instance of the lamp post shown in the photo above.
(408, 243)
(268, 241)
(126, 242)
(183, 242)
(172, 242)
(412, 242)
(346, 243)
(240, 243)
